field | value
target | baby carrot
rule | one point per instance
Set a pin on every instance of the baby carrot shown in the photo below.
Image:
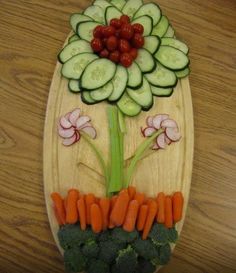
(178, 202)
(59, 207)
(59, 221)
(96, 218)
(104, 204)
(82, 212)
(119, 211)
(65, 203)
(71, 210)
(142, 216)
(140, 197)
(168, 212)
(131, 216)
(89, 200)
(131, 192)
(161, 208)
(112, 204)
(152, 211)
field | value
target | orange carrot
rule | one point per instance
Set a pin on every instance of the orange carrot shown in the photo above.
(119, 211)
(131, 216)
(140, 197)
(71, 210)
(104, 204)
(65, 203)
(161, 208)
(178, 202)
(152, 211)
(59, 207)
(168, 212)
(149, 200)
(96, 218)
(82, 212)
(131, 192)
(112, 204)
(142, 216)
(59, 221)
(89, 200)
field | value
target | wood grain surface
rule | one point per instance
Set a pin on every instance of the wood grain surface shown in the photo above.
(31, 32)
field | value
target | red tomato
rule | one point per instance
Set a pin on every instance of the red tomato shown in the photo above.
(104, 53)
(115, 56)
(138, 40)
(108, 31)
(126, 60)
(124, 46)
(133, 53)
(138, 28)
(126, 31)
(96, 45)
(116, 23)
(125, 19)
(97, 32)
(112, 43)
(118, 33)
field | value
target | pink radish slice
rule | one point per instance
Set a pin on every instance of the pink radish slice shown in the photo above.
(81, 121)
(167, 140)
(161, 142)
(173, 134)
(157, 120)
(90, 131)
(169, 123)
(74, 116)
(149, 121)
(148, 131)
(66, 133)
(67, 116)
(87, 124)
(70, 141)
(77, 136)
(155, 146)
(65, 123)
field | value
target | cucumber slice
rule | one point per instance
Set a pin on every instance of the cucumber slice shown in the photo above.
(112, 12)
(161, 77)
(152, 43)
(75, 66)
(97, 74)
(145, 61)
(151, 10)
(172, 58)
(85, 30)
(161, 28)
(131, 7)
(73, 49)
(170, 33)
(73, 86)
(96, 13)
(86, 98)
(77, 18)
(182, 73)
(146, 21)
(118, 3)
(161, 92)
(128, 106)
(135, 77)
(142, 95)
(119, 83)
(102, 93)
(73, 38)
(102, 4)
(176, 44)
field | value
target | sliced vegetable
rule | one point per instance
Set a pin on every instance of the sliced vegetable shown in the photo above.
(102, 93)
(135, 78)
(161, 92)
(85, 30)
(73, 38)
(175, 43)
(145, 61)
(128, 106)
(96, 13)
(118, 3)
(161, 28)
(86, 98)
(170, 33)
(131, 7)
(102, 4)
(152, 43)
(111, 13)
(77, 18)
(182, 73)
(146, 22)
(173, 134)
(150, 9)
(73, 86)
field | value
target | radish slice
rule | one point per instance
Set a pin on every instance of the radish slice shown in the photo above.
(87, 124)
(173, 134)
(65, 123)
(70, 141)
(81, 121)
(167, 140)
(169, 123)
(90, 131)
(74, 116)
(157, 120)
(66, 133)
(155, 146)
(148, 131)
(67, 116)
(77, 136)
(149, 121)
(161, 141)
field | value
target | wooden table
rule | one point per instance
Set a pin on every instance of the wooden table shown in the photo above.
(31, 33)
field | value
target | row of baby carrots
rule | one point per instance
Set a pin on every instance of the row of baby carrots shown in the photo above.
(128, 209)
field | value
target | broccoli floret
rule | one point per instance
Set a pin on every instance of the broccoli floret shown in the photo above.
(172, 235)
(145, 266)
(145, 248)
(90, 249)
(98, 266)
(109, 250)
(104, 236)
(126, 261)
(120, 235)
(164, 253)
(159, 234)
(74, 260)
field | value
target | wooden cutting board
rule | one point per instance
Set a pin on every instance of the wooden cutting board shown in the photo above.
(76, 166)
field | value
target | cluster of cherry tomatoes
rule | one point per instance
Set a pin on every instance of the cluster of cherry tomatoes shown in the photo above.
(119, 41)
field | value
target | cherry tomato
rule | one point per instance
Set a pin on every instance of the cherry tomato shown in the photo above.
(138, 40)
(125, 19)
(118, 33)
(133, 53)
(108, 31)
(104, 53)
(126, 60)
(96, 45)
(138, 28)
(97, 32)
(124, 46)
(115, 56)
(112, 43)
(126, 31)
(116, 23)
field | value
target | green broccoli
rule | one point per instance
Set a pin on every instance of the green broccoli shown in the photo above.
(145, 248)
(109, 250)
(74, 260)
(104, 236)
(172, 235)
(126, 261)
(159, 234)
(120, 235)
(145, 266)
(98, 266)
(164, 253)
(90, 249)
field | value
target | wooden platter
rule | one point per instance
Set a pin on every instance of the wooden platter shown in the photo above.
(76, 166)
